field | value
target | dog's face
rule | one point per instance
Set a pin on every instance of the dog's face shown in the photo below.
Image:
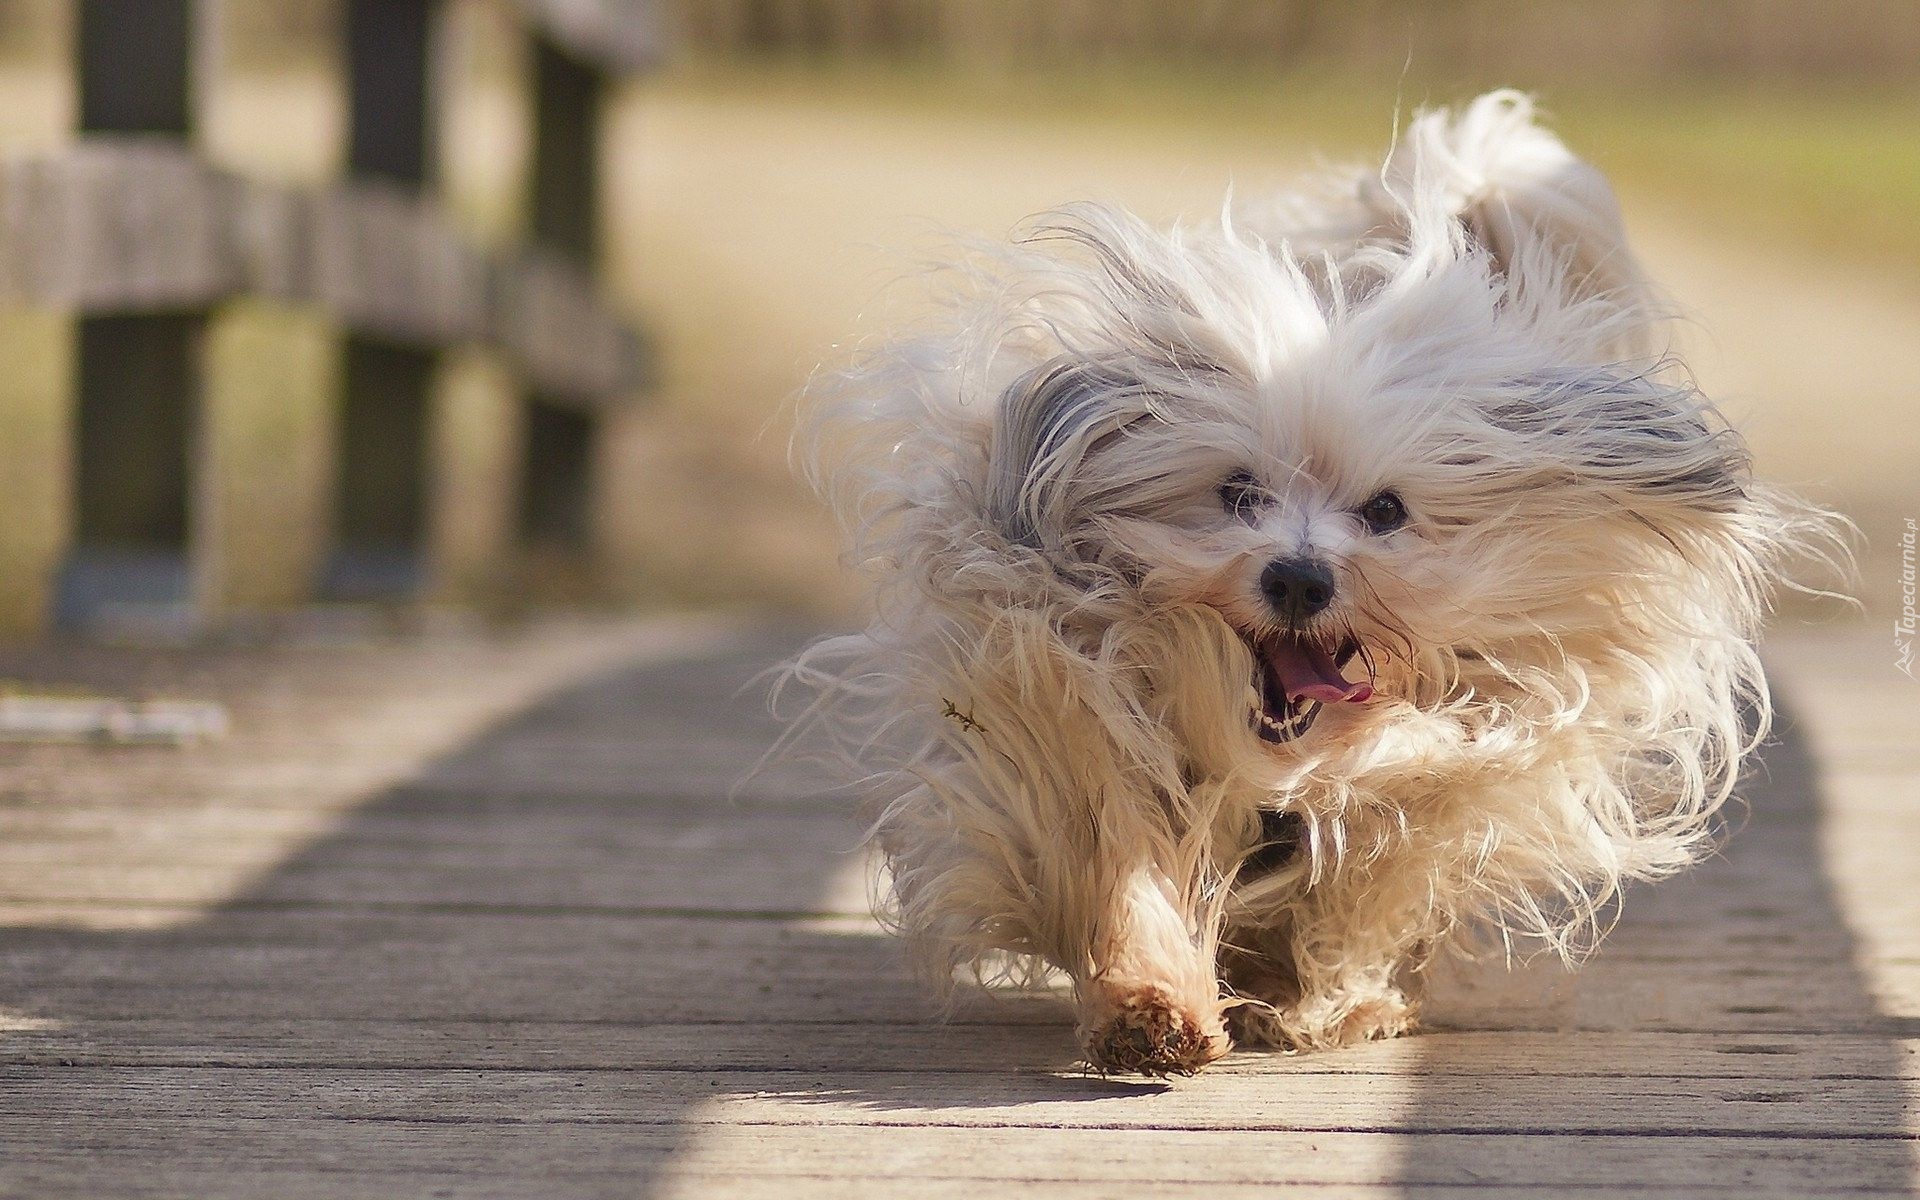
(1374, 472)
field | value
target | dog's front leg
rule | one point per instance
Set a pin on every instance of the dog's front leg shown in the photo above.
(1151, 1002)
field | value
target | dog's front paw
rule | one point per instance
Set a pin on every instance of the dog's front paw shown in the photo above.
(1142, 1029)
(1328, 1022)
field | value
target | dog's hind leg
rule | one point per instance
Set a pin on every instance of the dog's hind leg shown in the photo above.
(1321, 981)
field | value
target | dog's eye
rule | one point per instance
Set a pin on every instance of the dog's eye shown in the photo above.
(1384, 513)
(1242, 495)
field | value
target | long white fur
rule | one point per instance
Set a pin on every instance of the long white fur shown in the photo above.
(1052, 699)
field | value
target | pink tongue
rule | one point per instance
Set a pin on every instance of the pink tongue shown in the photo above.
(1307, 670)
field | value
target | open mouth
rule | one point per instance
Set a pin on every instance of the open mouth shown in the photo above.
(1294, 676)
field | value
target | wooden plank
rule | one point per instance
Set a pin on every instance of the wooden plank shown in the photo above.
(117, 223)
(693, 880)
(547, 315)
(559, 964)
(187, 833)
(573, 955)
(246, 1180)
(318, 1157)
(814, 846)
(821, 871)
(826, 1047)
(735, 1185)
(1639, 1106)
(1558, 1165)
(388, 263)
(1463, 989)
(373, 705)
(532, 850)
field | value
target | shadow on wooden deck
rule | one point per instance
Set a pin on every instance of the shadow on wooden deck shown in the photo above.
(502, 973)
(1753, 944)
(540, 967)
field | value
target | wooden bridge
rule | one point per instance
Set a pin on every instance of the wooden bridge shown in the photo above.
(467, 918)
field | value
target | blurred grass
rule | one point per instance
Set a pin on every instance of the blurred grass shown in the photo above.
(1831, 164)
(1831, 169)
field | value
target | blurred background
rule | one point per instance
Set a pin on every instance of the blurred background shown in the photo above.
(1767, 152)
(505, 303)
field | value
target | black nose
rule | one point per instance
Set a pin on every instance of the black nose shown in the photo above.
(1297, 587)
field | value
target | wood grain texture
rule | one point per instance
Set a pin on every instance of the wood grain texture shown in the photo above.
(493, 919)
(992, 1045)
(119, 222)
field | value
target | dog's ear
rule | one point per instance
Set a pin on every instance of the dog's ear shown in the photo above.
(1652, 447)
(1517, 190)
(1047, 421)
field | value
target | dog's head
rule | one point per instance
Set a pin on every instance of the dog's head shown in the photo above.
(1438, 447)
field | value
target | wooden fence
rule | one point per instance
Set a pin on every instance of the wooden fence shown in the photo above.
(297, 300)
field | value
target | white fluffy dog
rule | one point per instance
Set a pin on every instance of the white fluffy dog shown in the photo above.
(1265, 607)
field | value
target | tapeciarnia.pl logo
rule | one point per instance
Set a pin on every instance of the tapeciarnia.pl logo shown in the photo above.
(1904, 628)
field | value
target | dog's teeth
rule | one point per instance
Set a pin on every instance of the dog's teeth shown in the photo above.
(1293, 724)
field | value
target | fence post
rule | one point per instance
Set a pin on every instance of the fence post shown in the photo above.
(381, 466)
(560, 471)
(136, 541)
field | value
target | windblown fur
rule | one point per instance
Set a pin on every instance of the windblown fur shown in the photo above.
(1067, 496)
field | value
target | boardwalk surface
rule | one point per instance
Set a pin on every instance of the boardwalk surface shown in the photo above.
(479, 919)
